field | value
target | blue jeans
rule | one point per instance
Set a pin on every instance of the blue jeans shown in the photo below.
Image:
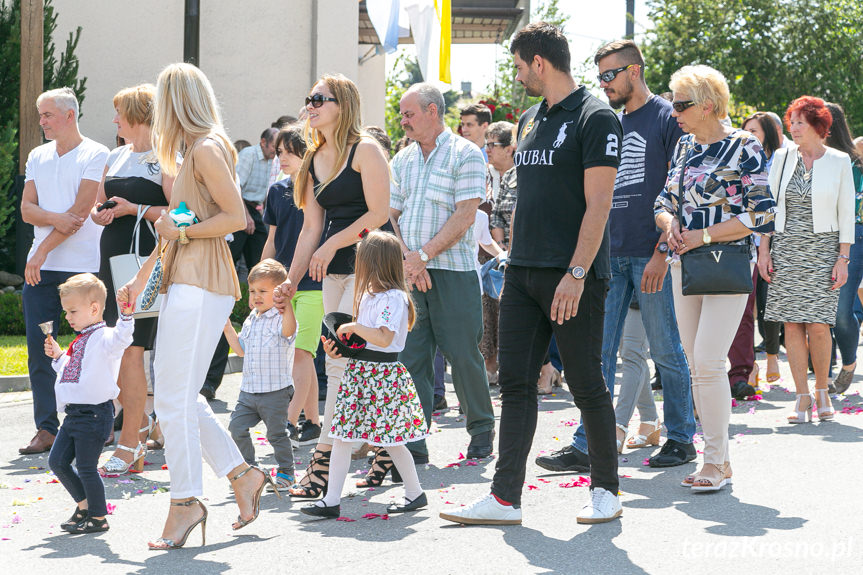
(42, 303)
(84, 431)
(847, 330)
(660, 324)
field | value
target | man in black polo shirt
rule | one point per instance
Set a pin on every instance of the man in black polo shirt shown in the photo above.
(567, 158)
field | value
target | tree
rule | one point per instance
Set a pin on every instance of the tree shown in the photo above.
(56, 74)
(771, 51)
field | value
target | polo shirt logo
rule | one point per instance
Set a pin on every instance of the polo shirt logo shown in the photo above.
(527, 128)
(561, 135)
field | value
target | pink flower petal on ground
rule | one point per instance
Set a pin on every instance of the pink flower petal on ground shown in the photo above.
(733, 402)
(646, 461)
(53, 481)
(345, 519)
(461, 456)
(448, 503)
(371, 515)
(453, 465)
(16, 519)
(111, 508)
(385, 517)
(532, 487)
(625, 476)
(471, 462)
(543, 480)
(165, 466)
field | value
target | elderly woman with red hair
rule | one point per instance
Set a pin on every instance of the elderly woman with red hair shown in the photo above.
(806, 261)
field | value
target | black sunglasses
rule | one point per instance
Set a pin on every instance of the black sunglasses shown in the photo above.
(610, 75)
(491, 145)
(317, 100)
(682, 105)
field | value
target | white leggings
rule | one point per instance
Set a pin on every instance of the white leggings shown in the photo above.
(190, 322)
(338, 294)
(708, 324)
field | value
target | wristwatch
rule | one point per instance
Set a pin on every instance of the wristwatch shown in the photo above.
(662, 247)
(183, 239)
(705, 237)
(577, 272)
(424, 257)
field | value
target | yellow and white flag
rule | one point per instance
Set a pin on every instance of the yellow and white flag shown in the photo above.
(431, 25)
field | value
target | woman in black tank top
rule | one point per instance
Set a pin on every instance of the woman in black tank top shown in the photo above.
(342, 188)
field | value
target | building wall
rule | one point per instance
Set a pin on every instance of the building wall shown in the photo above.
(261, 56)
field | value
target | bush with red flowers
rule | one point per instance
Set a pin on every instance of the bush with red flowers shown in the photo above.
(501, 111)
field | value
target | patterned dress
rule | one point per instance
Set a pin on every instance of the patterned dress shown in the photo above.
(377, 401)
(802, 261)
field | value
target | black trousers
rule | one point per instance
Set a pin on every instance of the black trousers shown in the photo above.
(770, 331)
(251, 245)
(524, 333)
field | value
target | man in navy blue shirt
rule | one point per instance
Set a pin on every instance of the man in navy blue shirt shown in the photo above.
(638, 253)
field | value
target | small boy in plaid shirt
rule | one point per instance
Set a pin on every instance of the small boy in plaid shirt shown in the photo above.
(267, 344)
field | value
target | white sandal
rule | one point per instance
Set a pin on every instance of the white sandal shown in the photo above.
(115, 466)
(620, 442)
(638, 440)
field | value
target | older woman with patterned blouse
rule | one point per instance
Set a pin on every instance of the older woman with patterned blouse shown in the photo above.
(807, 261)
(725, 199)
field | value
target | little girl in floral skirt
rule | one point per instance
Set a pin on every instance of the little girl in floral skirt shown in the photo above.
(377, 402)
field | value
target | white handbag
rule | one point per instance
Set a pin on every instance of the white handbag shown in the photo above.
(125, 266)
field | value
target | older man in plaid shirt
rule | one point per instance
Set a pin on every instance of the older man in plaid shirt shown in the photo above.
(438, 182)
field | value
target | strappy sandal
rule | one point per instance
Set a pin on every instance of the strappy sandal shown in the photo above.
(381, 466)
(156, 440)
(803, 415)
(77, 517)
(163, 543)
(314, 482)
(89, 525)
(638, 440)
(256, 499)
(620, 442)
(702, 483)
(822, 400)
(115, 466)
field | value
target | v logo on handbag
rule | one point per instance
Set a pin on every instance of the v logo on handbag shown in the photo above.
(716, 255)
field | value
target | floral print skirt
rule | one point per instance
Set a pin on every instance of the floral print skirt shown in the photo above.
(377, 403)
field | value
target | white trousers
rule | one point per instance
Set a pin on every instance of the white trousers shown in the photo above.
(338, 295)
(190, 322)
(708, 324)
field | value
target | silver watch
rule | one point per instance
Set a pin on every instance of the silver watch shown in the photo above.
(424, 257)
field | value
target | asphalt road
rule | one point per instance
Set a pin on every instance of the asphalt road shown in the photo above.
(795, 506)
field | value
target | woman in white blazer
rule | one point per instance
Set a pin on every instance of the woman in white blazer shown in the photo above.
(806, 261)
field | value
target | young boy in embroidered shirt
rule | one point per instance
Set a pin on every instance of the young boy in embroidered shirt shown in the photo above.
(266, 343)
(85, 389)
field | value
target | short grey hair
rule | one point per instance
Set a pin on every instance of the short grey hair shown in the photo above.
(64, 98)
(427, 95)
(502, 131)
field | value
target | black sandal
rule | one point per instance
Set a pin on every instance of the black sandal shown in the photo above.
(89, 525)
(77, 517)
(381, 465)
(314, 482)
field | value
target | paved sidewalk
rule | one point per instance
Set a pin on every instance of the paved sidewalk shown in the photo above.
(795, 506)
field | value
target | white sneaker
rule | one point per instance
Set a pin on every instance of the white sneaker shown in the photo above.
(485, 511)
(604, 506)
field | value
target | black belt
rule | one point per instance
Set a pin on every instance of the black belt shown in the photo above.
(379, 356)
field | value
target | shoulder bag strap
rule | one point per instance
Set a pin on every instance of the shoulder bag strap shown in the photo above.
(135, 248)
(681, 191)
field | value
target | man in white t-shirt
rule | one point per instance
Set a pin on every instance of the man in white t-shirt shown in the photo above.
(60, 187)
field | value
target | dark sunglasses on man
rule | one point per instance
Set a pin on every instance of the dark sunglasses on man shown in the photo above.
(610, 75)
(317, 100)
(682, 105)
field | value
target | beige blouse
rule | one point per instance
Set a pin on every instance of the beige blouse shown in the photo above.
(203, 262)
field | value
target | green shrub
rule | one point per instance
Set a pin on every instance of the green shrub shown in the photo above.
(241, 307)
(12, 316)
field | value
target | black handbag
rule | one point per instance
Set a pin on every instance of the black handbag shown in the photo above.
(716, 269)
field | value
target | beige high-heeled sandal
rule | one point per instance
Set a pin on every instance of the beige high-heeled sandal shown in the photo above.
(802, 415)
(652, 438)
(704, 483)
(163, 543)
(824, 413)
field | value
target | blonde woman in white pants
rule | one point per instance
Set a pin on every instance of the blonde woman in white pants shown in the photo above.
(724, 199)
(201, 287)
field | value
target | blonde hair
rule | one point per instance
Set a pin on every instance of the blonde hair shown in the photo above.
(63, 98)
(135, 104)
(85, 285)
(185, 105)
(379, 268)
(348, 131)
(703, 84)
(268, 269)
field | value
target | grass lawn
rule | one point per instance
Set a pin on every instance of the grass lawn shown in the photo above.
(13, 353)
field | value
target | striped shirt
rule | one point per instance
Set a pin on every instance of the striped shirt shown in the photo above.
(253, 172)
(426, 192)
(269, 356)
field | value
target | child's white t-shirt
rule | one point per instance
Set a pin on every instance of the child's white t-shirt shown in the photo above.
(57, 180)
(481, 235)
(388, 309)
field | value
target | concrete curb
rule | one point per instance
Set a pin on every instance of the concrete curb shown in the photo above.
(11, 383)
